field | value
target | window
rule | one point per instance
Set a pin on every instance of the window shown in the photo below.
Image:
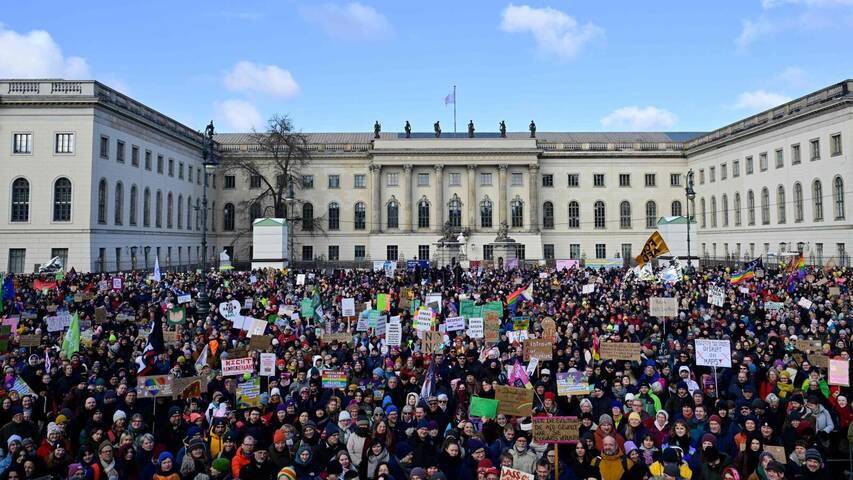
(835, 144)
(798, 202)
(391, 252)
(737, 209)
(334, 181)
(105, 147)
(600, 250)
(102, 201)
(198, 214)
(780, 159)
(180, 206)
(254, 181)
(307, 217)
(516, 179)
(817, 196)
(574, 180)
(749, 166)
(575, 251)
(181, 170)
(762, 161)
(359, 252)
(548, 180)
(254, 212)
(701, 176)
(423, 179)
(599, 214)
(675, 208)
(334, 216)
(359, 216)
(169, 207)
(724, 171)
(172, 170)
(838, 197)
(158, 209)
(624, 215)
(22, 143)
(598, 180)
(842, 254)
(62, 253)
(624, 179)
(548, 251)
(702, 213)
(815, 149)
(454, 212)
(486, 213)
(574, 214)
(735, 168)
(134, 205)
(520, 251)
(17, 260)
(485, 179)
(423, 252)
(626, 251)
(307, 182)
(674, 179)
(517, 213)
(454, 179)
(713, 211)
(62, 200)
(307, 253)
(393, 215)
(134, 156)
(358, 181)
(146, 208)
(423, 213)
(712, 174)
(230, 182)
(488, 252)
(64, 143)
(780, 204)
(160, 164)
(120, 151)
(334, 253)
(819, 252)
(765, 206)
(21, 200)
(651, 180)
(198, 176)
(651, 214)
(548, 216)
(148, 160)
(725, 210)
(189, 218)
(118, 214)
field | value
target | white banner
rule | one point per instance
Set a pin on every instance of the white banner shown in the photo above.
(393, 332)
(713, 353)
(267, 364)
(475, 327)
(348, 307)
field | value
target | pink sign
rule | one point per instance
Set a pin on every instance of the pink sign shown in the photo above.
(839, 372)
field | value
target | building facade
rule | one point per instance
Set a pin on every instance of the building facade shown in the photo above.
(776, 181)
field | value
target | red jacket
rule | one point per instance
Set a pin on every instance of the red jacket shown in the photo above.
(239, 461)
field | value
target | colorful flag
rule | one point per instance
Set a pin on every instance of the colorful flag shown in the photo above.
(742, 276)
(382, 303)
(71, 343)
(518, 377)
(653, 247)
(754, 264)
(513, 299)
(429, 382)
(154, 347)
(202, 359)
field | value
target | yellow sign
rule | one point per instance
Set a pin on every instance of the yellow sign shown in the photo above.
(654, 247)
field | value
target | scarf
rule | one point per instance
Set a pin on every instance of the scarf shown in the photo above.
(373, 462)
(784, 389)
(110, 470)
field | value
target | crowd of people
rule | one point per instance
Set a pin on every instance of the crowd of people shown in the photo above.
(72, 406)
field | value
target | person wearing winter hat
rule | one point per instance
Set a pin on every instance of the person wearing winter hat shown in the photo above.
(357, 440)
(286, 473)
(166, 468)
(219, 468)
(606, 428)
(775, 470)
(279, 452)
(418, 473)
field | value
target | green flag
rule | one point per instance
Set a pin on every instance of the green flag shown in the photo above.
(71, 343)
(484, 407)
(382, 302)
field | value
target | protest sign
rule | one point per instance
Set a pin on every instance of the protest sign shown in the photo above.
(713, 353)
(184, 298)
(808, 346)
(423, 321)
(572, 383)
(556, 429)
(513, 474)
(619, 351)
(491, 327)
(778, 453)
(260, 342)
(716, 296)
(30, 340)
(549, 329)
(229, 310)
(538, 348)
(348, 307)
(237, 366)
(300, 279)
(249, 393)
(566, 264)
(154, 386)
(454, 324)
(118, 283)
(663, 307)
(483, 407)
(433, 301)
(521, 323)
(334, 379)
(834, 291)
(176, 316)
(475, 327)
(342, 337)
(267, 368)
(100, 315)
(839, 372)
(393, 332)
(588, 288)
(170, 337)
(653, 247)
(514, 401)
(431, 341)
(363, 323)
(819, 360)
(496, 306)
(805, 303)
(772, 306)
(189, 387)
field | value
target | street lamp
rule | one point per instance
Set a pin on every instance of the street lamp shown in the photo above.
(209, 161)
(691, 196)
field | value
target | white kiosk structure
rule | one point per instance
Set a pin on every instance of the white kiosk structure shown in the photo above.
(269, 243)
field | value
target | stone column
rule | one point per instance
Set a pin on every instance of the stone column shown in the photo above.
(502, 191)
(438, 201)
(533, 190)
(472, 197)
(376, 198)
(408, 200)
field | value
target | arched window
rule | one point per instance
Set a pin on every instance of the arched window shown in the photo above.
(254, 212)
(548, 215)
(180, 211)
(334, 216)
(118, 214)
(574, 214)
(838, 197)
(359, 216)
(102, 201)
(798, 202)
(651, 214)
(134, 205)
(780, 204)
(737, 209)
(517, 213)
(486, 213)
(765, 206)
(393, 214)
(62, 200)
(817, 196)
(190, 213)
(599, 214)
(21, 200)
(228, 217)
(624, 215)
(307, 217)
(423, 213)
(750, 208)
(725, 210)
(198, 214)
(170, 203)
(146, 207)
(158, 209)
(675, 208)
(713, 211)
(702, 216)
(454, 211)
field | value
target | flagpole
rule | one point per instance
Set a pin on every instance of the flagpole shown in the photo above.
(454, 111)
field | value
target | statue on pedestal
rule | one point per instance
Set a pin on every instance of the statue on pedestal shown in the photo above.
(408, 129)
(376, 129)
(471, 129)
(503, 232)
(447, 232)
(502, 128)
(532, 128)
(437, 127)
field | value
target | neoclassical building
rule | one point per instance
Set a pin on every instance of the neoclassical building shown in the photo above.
(129, 187)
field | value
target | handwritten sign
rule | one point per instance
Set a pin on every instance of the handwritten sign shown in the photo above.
(185, 298)
(819, 361)
(348, 307)
(100, 315)
(454, 324)
(154, 386)
(713, 353)
(189, 387)
(839, 372)
(549, 329)
(342, 337)
(514, 401)
(808, 346)
(229, 310)
(716, 296)
(260, 342)
(423, 321)
(572, 383)
(663, 307)
(588, 289)
(249, 393)
(556, 429)
(237, 366)
(513, 474)
(431, 342)
(30, 340)
(619, 351)
(475, 327)
(805, 303)
(653, 247)
(538, 348)
(491, 326)
(393, 332)
(778, 453)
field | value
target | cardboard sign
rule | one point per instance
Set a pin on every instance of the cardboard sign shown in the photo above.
(454, 324)
(190, 387)
(808, 346)
(514, 401)
(834, 291)
(619, 351)
(237, 366)
(663, 307)
(431, 342)
(170, 337)
(267, 368)
(334, 379)
(819, 361)
(713, 353)
(549, 330)
(572, 383)
(839, 372)
(513, 474)
(556, 429)
(538, 348)
(342, 337)
(229, 310)
(260, 342)
(475, 327)
(348, 307)
(154, 386)
(491, 327)
(805, 303)
(30, 340)
(100, 315)
(393, 332)
(716, 296)
(778, 453)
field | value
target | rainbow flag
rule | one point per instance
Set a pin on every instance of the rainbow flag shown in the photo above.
(513, 299)
(796, 271)
(742, 276)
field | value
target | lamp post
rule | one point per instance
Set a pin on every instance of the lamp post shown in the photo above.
(691, 196)
(209, 161)
(289, 201)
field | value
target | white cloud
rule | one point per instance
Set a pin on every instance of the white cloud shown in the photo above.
(239, 115)
(555, 32)
(639, 119)
(265, 79)
(353, 21)
(752, 30)
(792, 77)
(768, 4)
(36, 55)
(759, 100)
(799, 16)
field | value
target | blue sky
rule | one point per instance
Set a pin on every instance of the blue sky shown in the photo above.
(341, 65)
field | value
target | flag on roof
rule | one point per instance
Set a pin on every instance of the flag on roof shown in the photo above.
(450, 98)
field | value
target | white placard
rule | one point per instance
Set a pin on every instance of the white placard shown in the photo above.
(300, 279)
(393, 332)
(248, 303)
(744, 290)
(237, 366)
(455, 324)
(423, 321)
(531, 367)
(713, 353)
(433, 298)
(805, 303)
(517, 336)
(267, 364)
(475, 327)
(663, 307)
(588, 288)
(229, 310)
(185, 298)
(252, 280)
(715, 295)
(348, 307)
(254, 326)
